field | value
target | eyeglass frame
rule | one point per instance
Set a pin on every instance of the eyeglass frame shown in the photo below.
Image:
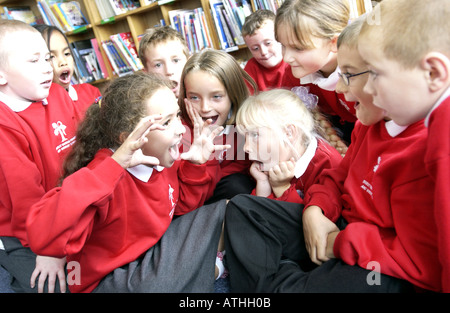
(346, 76)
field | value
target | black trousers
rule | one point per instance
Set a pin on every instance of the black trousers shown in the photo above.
(266, 252)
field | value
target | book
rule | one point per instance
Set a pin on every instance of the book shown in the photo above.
(21, 13)
(72, 14)
(87, 60)
(116, 60)
(100, 60)
(123, 43)
(61, 19)
(218, 24)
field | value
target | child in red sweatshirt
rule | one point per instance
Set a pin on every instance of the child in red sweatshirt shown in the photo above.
(38, 122)
(123, 183)
(416, 73)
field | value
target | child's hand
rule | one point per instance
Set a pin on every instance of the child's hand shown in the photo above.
(319, 233)
(203, 143)
(51, 270)
(263, 188)
(129, 154)
(280, 177)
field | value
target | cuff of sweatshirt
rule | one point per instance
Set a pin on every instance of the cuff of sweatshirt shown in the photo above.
(329, 208)
(193, 174)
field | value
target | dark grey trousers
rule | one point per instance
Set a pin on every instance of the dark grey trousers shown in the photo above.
(266, 252)
(182, 261)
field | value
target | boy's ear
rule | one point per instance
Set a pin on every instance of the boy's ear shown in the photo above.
(3, 80)
(437, 67)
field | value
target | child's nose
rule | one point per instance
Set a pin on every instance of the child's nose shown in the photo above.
(341, 87)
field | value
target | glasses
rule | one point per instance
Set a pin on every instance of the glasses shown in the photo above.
(346, 77)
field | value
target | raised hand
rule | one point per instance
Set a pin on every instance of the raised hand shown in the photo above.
(203, 143)
(129, 154)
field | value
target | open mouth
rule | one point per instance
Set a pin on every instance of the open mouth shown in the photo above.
(64, 77)
(174, 85)
(47, 83)
(174, 151)
(212, 118)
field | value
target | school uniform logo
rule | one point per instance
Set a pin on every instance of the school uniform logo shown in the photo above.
(59, 130)
(367, 183)
(172, 200)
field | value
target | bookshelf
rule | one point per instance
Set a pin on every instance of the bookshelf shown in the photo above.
(150, 13)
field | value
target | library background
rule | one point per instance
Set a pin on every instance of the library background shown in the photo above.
(105, 34)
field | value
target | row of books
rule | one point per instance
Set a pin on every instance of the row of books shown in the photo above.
(192, 25)
(66, 15)
(229, 17)
(121, 53)
(21, 13)
(109, 8)
(272, 5)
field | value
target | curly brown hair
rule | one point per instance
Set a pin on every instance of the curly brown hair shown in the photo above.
(112, 118)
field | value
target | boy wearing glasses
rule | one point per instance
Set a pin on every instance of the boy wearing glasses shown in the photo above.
(364, 222)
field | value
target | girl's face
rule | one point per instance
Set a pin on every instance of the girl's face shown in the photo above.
(305, 61)
(164, 144)
(27, 75)
(350, 62)
(62, 59)
(208, 96)
(265, 146)
(167, 59)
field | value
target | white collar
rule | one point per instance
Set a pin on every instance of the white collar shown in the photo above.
(327, 83)
(143, 172)
(394, 129)
(441, 99)
(305, 159)
(17, 105)
(73, 93)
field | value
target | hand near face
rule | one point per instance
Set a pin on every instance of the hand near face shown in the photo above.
(129, 154)
(203, 144)
(280, 176)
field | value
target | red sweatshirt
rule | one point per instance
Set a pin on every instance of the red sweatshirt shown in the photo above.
(437, 161)
(279, 76)
(118, 216)
(384, 192)
(85, 94)
(35, 139)
(323, 156)
(223, 163)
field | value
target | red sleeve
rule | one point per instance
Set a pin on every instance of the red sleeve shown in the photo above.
(65, 205)
(195, 183)
(21, 183)
(438, 166)
(326, 193)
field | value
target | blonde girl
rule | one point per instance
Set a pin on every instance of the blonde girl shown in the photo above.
(308, 31)
(215, 84)
(283, 142)
(123, 182)
(63, 63)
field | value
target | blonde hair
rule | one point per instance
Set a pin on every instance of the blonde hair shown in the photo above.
(156, 35)
(254, 21)
(313, 18)
(409, 29)
(276, 109)
(7, 28)
(225, 68)
(349, 36)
